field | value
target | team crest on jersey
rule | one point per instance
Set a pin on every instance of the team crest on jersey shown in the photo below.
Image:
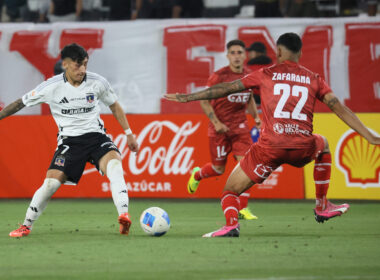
(278, 128)
(90, 97)
(60, 161)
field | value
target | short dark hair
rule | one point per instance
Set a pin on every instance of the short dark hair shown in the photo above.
(291, 41)
(75, 52)
(235, 43)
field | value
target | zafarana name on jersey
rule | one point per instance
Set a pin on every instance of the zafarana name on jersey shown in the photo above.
(291, 77)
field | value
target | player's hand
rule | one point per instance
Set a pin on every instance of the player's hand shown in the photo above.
(177, 97)
(132, 143)
(258, 122)
(221, 128)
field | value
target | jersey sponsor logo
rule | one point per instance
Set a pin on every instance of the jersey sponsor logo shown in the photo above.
(64, 100)
(358, 160)
(60, 161)
(291, 77)
(77, 111)
(90, 97)
(241, 97)
(278, 128)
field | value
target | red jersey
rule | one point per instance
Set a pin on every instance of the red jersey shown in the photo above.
(288, 93)
(230, 110)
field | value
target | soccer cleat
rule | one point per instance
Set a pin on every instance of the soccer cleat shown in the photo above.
(246, 214)
(192, 185)
(20, 232)
(331, 211)
(231, 231)
(125, 223)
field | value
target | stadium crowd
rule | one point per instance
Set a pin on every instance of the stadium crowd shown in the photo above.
(103, 10)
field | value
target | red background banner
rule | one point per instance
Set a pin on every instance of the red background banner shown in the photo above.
(170, 146)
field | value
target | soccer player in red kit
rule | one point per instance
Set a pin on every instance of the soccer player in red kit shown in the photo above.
(228, 129)
(288, 94)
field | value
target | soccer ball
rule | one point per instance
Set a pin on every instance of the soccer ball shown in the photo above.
(155, 221)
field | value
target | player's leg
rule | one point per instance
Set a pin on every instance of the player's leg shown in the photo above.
(324, 209)
(54, 179)
(244, 211)
(110, 164)
(254, 168)
(237, 183)
(219, 149)
(240, 145)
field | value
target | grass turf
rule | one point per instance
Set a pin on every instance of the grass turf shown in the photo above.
(79, 239)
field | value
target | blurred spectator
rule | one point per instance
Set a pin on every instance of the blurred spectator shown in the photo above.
(37, 11)
(371, 7)
(58, 69)
(120, 9)
(188, 9)
(91, 10)
(15, 9)
(302, 8)
(267, 8)
(65, 10)
(221, 8)
(154, 8)
(257, 59)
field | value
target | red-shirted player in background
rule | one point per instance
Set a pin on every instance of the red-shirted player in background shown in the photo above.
(228, 129)
(288, 94)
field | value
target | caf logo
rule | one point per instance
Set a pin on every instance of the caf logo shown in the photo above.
(358, 160)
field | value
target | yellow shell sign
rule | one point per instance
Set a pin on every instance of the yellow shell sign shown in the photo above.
(355, 169)
(358, 160)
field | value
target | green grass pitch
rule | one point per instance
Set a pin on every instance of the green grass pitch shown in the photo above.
(79, 239)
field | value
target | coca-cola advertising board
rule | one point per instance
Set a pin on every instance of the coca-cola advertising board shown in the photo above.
(170, 146)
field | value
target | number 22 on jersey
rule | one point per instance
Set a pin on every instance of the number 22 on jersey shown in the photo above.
(285, 90)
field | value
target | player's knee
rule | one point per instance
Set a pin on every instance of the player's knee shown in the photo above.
(326, 148)
(51, 185)
(219, 169)
(114, 169)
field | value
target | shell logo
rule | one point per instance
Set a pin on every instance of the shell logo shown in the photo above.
(358, 160)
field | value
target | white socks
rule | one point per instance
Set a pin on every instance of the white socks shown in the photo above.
(40, 199)
(118, 186)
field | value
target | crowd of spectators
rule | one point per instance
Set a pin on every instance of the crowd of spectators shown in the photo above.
(96, 10)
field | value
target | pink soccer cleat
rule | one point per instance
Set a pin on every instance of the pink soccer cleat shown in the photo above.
(125, 223)
(330, 211)
(231, 231)
(20, 232)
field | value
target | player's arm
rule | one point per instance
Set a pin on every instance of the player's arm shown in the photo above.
(119, 115)
(252, 110)
(210, 113)
(214, 92)
(12, 108)
(346, 115)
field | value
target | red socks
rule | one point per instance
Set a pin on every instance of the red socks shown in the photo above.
(244, 199)
(322, 172)
(205, 172)
(230, 205)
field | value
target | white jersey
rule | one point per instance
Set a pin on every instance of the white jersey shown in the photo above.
(75, 110)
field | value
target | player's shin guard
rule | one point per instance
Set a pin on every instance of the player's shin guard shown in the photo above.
(118, 186)
(40, 200)
(230, 205)
(322, 172)
(206, 171)
(244, 199)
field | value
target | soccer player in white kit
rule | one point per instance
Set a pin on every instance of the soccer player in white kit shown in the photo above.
(74, 97)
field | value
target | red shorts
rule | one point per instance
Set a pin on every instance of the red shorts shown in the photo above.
(260, 162)
(223, 144)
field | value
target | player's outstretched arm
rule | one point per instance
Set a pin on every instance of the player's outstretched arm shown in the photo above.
(12, 108)
(119, 115)
(214, 92)
(346, 115)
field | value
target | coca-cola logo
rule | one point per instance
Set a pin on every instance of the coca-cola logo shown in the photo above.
(158, 153)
